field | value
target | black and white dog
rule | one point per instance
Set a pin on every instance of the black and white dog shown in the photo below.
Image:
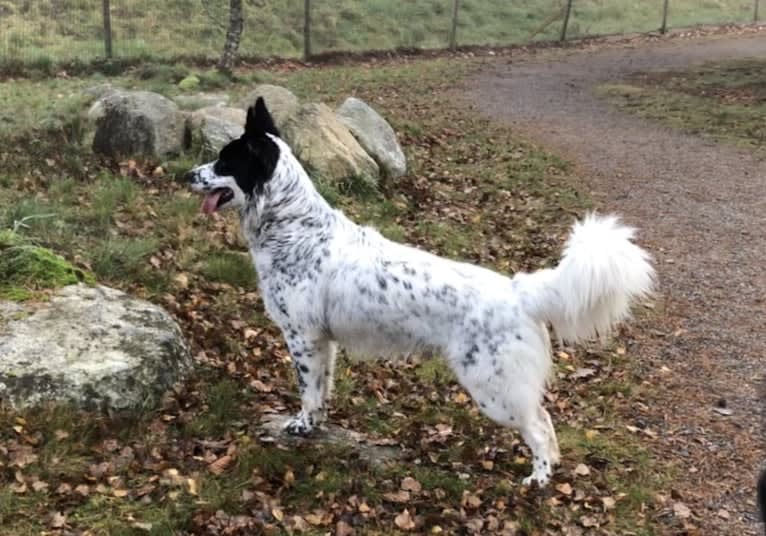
(327, 281)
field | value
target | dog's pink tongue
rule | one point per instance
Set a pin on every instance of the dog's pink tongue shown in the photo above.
(210, 202)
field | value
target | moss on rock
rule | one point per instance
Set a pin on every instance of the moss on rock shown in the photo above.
(25, 268)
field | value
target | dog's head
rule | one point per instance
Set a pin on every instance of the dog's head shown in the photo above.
(243, 167)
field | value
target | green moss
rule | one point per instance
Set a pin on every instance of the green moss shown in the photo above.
(26, 268)
(189, 83)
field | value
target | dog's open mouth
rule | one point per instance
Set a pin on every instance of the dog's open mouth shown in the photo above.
(215, 199)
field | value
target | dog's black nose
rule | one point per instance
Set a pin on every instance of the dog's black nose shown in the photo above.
(190, 176)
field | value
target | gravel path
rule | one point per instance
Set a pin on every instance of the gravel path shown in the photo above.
(701, 209)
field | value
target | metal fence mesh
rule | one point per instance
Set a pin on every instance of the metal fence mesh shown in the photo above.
(65, 30)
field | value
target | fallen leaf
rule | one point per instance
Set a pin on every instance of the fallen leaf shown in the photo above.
(564, 488)
(220, 465)
(58, 520)
(343, 529)
(404, 520)
(142, 526)
(608, 502)
(410, 484)
(681, 511)
(584, 372)
(182, 280)
(278, 514)
(315, 519)
(582, 470)
(471, 500)
(39, 485)
(400, 496)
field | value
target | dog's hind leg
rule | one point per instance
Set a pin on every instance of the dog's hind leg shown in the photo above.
(510, 393)
(314, 360)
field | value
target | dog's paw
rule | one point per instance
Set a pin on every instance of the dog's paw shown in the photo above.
(299, 425)
(541, 481)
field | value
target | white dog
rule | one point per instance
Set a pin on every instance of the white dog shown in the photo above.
(326, 280)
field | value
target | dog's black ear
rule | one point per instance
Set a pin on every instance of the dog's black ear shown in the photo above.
(259, 120)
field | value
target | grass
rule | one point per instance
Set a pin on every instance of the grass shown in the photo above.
(47, 32)
(473, 191)
(723, 101)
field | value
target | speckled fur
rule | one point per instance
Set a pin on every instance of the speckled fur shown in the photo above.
(327, 281)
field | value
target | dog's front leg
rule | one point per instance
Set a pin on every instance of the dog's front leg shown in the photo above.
(313, 359)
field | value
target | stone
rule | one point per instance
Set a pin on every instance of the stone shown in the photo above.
(375, 135)
(100, 90)
(216, 126)
(271, 429)
(201, 100)
(139, 123)
(96, 94)
(280, 101)
(326, 148)
(90, 346)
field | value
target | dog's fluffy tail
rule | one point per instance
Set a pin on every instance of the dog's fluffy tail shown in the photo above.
(601, 273)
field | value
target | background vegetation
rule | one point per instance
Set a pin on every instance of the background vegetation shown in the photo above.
(65, 30)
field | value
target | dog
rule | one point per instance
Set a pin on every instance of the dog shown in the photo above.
(327, 281)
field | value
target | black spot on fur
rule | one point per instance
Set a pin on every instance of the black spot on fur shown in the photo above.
(382, 282)
(470, 357)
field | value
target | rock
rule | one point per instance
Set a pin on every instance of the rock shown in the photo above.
(189, 83)
(201, 100)
(94, 347)
(326, 147)
(98, 93)
(100, 90)
(374, 134)
(139, 123)
(381, 453)
(216, 126)
(280, 101)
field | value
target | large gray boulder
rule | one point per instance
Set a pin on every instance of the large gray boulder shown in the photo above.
(138, 123)
(216, 126)
(374, 134)
(280, 101)
(94, 347)
(326, 148)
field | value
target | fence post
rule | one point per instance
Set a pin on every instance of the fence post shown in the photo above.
(107, 14)
(664, 27)
(306, 29)
(755, 12)
(566, 21)
(453, 29)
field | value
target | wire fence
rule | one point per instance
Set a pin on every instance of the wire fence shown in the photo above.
(85, 30)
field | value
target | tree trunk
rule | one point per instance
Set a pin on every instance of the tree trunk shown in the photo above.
(233, 35)
(107, 14)
(453, 29)
(664, 27)
(565, 25)
(307, 53)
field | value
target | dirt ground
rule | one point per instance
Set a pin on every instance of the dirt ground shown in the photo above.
(701, 210)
